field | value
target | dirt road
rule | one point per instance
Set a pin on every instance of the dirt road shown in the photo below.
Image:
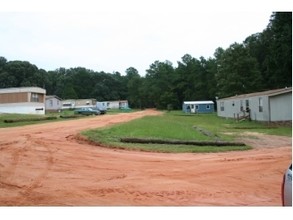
(43, 165)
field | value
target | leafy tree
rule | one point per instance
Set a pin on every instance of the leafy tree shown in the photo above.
(237, 72)
(159, 84)
(273, 50)
(210, 68)
(18, 74)
(107, 86)
(192, 79)
(121, 85)
(258, 48)
(134, 84)
(3, 62)
(82, 81)
(69, 92)
(278, 62)
(7, 80)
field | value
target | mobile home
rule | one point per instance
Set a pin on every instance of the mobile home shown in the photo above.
(53, 103)
(198, 106)
(267, 106)
(23, 100)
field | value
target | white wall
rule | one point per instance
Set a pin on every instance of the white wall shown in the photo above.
(53, 104)
(281, 107)
(113, 104)
(23, 108)
(275, 108)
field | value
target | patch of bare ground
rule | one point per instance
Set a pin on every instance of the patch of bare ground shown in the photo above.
(42, 165)
(259, 140)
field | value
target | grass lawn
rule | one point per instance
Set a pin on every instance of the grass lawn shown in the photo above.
(179, 126)
(173, 125)
(25, 119)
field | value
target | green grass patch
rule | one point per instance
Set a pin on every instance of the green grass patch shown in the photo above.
(179, 126)
(14, 120)
(117, 111)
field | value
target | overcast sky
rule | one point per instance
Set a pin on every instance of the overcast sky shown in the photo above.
(107, 38)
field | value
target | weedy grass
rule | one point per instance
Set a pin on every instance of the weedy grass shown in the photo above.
(180, 126)
(15, 120)
(22, 119)
(173, 125)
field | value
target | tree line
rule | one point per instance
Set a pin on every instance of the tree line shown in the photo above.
(262, 61)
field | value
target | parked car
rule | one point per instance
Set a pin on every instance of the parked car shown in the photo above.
(87, 111)
(287, 187)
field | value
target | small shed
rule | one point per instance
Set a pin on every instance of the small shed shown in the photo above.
(53, 103)
(198, 106)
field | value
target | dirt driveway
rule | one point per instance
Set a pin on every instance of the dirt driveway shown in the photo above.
(44, 165)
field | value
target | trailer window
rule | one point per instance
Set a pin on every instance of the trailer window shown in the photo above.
(260, 104)
(34, 97)
(222, 106)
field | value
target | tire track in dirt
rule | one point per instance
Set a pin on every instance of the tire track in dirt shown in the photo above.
(53, 168)
(141, 197)
(36, 144)
(12, 170)
(9, 169)
(32, 150)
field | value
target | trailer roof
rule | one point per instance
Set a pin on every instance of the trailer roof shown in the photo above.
(197, 102)
(23, 89)
(264, 93)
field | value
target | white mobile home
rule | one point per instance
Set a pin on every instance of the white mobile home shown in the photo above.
(121, 104)
(53, 103)
(268, 106)
(82, 103)
(78, 103)
(68, 104)
(22, 100)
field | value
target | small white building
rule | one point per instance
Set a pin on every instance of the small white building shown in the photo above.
(53, 103)
(120, 104)
(23, 100)
(78, 103)
(268, 106)
(68, 104)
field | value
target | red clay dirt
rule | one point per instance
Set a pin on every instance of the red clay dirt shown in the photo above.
(43, 165)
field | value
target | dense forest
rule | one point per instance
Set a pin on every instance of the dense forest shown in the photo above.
(261, 62)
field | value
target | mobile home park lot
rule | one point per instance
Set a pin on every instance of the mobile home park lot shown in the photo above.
(45, 165)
